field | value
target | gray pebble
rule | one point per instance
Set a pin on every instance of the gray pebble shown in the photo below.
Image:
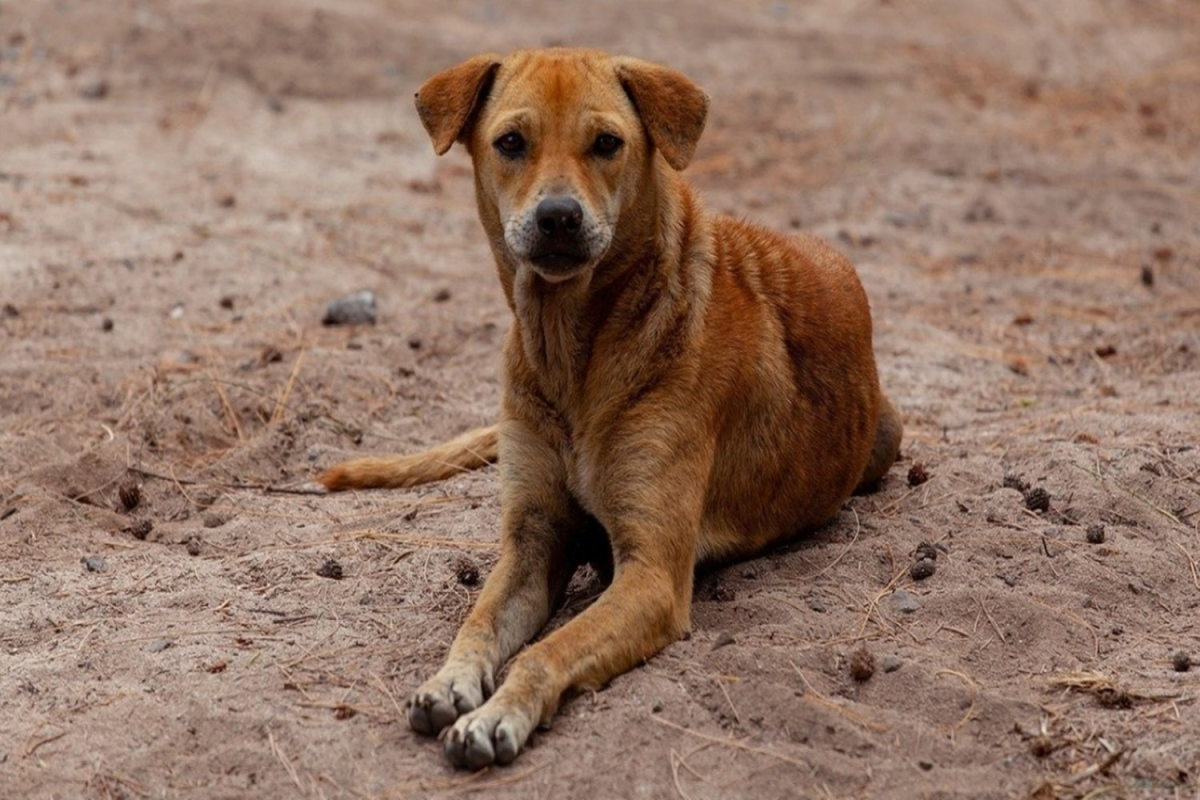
(213, 519)
(816, 604)
(723, 638)
(94, 563)
(94, 89)
(891, 662)
(353, 309)
(158, 645)
(906, 601)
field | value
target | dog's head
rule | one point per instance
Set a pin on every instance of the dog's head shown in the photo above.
(564, 143)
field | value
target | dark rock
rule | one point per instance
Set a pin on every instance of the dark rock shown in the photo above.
(1037, 499)
(94, 89)
(331, 569)
(922, 569)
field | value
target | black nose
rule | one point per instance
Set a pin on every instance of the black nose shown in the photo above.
(559, 217)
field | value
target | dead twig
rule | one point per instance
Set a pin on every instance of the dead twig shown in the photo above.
(813, 696)
(729, 742)
(254, 487)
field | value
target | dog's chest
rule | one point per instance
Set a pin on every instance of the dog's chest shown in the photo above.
(581, 472)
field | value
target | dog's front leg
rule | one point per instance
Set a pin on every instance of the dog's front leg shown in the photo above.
(645, 608)
(521, 591)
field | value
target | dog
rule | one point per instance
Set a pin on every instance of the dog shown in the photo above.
(680, 388)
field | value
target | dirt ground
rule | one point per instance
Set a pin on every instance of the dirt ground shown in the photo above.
(185, 184)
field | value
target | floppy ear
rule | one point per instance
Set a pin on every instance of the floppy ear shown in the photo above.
(447, 102)
(672, 108)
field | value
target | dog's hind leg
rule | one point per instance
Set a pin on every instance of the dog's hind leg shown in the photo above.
(889, 431)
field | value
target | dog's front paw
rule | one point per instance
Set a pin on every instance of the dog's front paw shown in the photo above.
(445, 697)
(494, 734)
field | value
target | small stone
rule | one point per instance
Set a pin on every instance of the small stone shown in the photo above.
(204, 499)
(193, 545)
(94, 89)
(158, 645)
(917, 474)
(925, 765)
(1095, 534)
(331, 569)
(817, 605)
(922, 569)
(441, 296)
(1181, 661)
(1037, 499)
(891, 662)
(214, 519)
(1015, 482)
(723, 639)
(905, 601)
(130, 494)
(140, 530)
(926, 550)
(226, 302)
(466, 572)
(106, 324)
(354, 309)
(1041, 746)
(862, 664)
(94, 563)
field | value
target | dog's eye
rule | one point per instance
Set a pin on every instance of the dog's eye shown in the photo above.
(511, 144)
(606, 145)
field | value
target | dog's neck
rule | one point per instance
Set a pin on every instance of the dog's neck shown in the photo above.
(557, 324)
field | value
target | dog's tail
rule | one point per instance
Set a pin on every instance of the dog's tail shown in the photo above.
(473, 450)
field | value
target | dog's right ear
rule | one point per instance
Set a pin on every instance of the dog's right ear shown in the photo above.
(448, 101)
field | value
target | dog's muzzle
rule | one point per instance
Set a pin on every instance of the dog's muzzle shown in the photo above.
(560, 245)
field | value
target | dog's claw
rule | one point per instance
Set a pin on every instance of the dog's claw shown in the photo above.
(442, 700)
(506, 745)
(479, 750)
(418, 719)
(485, 737)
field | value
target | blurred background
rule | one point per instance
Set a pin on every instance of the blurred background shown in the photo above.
(186, 184)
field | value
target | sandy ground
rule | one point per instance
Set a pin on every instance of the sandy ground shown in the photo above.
(185, 184)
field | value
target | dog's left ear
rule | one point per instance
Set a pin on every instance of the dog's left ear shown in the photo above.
(448, 101)
(672, 108)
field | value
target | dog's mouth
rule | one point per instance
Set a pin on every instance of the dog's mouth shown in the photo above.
(558, 265)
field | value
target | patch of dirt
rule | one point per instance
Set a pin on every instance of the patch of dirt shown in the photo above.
(184, 186)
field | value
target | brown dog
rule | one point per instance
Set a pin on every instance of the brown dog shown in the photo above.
(679, 388)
